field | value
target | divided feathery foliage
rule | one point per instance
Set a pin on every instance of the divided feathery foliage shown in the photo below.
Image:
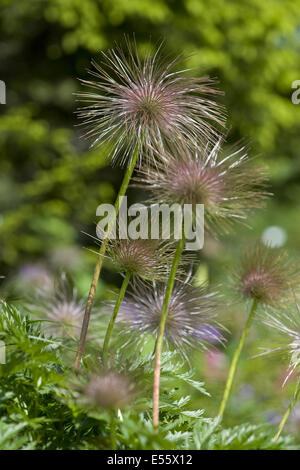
(209, 435)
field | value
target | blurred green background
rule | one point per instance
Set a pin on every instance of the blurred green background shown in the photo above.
(51, 184)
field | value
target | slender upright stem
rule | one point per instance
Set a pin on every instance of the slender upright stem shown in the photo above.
(160, 334)
(235, 359)
(113, 318)
(113, 442)
(288, 411)
(98, 267)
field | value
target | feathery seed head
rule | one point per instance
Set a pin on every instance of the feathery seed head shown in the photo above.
(267, 275)
(146, 101)
(147, 259)
(61, 308)
(191, 320)
(194, 183)
(108, 390)
(228, 186)
(287, 323)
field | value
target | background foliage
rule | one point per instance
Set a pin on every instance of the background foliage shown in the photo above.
(51, 184)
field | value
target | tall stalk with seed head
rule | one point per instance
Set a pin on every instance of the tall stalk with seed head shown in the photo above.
(136, 105)
(265, 277)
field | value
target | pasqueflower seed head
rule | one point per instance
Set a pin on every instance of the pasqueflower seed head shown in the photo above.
(146, 100)
(228, 185)
(108, 390)
(267, 275)
(287, 323)
(61, 309)
(191, 320)
(147, 259)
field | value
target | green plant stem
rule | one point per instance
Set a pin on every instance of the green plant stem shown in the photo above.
(113, 441)
(235, 359)
(288, 411)
(160, 334)
(98, 267)
(113, 318)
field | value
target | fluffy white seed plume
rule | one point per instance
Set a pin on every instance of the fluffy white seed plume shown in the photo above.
(145, 101)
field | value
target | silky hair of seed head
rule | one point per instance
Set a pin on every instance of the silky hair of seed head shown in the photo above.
(287, 323)
(145, 101)
(108, 390)
(267, 275)
(191, 321)
(147, 259)
(61, 309)
(228, 185)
